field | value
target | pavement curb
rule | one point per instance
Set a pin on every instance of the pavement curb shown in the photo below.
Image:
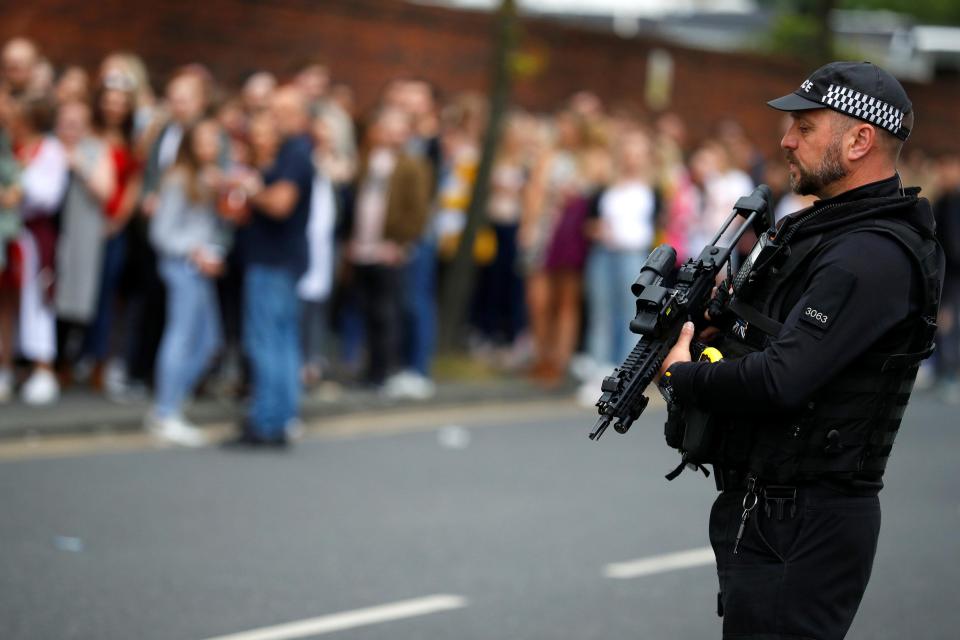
(85, 413)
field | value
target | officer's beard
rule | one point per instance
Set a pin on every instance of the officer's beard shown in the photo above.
(814, 182)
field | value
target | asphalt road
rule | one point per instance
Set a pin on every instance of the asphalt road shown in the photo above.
(513, 519)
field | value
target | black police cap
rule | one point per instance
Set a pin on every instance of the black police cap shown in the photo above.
(859, 89)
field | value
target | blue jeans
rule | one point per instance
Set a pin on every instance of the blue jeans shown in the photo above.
(97, 340)
(420, 307)
(611, 305)
(191, 336)
(271, 335)
(350, 329)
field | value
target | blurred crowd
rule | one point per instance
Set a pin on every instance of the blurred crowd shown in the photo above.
(264, 240)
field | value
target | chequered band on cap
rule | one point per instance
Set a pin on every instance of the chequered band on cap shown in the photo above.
(865, 107)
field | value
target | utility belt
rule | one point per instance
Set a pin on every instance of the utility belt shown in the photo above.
(777, 500)
(736, 479)
(785, 504)
(780, 501)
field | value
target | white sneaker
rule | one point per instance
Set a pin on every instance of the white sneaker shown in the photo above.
(422, 388)
(518, 355)
(41, 388)
(133, 393)
(394, 385)
(409, 384)
(295, 429)
(115, 377)
(583, 367)
(6, 385)
(175, 430)
(589, 392)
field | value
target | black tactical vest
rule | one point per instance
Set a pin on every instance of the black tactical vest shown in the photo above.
(847, 429)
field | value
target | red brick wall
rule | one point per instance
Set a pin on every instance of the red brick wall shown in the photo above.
(367, 42)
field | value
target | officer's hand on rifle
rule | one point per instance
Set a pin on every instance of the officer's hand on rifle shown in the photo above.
(711, 331)
(680, 351)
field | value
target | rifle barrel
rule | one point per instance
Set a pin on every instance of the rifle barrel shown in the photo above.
(600, 427)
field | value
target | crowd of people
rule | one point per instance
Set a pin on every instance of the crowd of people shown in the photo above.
(269, 238)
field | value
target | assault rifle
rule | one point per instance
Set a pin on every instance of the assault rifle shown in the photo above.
(666, 298)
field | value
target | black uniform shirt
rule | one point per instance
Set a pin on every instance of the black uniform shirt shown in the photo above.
(854, 292)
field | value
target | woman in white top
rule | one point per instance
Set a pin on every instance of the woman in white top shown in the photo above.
(622, 234)
(43, 182)
(722, 184)
(316, 285)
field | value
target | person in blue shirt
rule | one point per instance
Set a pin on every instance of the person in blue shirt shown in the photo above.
(276, 256)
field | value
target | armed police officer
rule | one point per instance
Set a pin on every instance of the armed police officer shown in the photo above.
(828, 321)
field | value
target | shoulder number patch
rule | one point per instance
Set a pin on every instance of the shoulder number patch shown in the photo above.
(822, 318)
(822, 304)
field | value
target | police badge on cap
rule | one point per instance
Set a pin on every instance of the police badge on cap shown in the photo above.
(859, 89)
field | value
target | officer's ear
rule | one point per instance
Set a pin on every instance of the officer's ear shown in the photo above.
(860, 140)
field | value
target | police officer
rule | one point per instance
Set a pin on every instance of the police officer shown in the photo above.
(829, 320)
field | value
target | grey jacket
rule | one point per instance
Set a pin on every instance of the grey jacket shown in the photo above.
(80, 245)
(181, 226)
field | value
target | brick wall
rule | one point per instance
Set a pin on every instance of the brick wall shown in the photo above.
(367, 42)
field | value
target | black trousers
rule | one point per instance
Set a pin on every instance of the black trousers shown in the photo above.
(146, 304)
(380, 292)
(796, 578)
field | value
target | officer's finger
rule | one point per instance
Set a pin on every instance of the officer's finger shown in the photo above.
(686, 334)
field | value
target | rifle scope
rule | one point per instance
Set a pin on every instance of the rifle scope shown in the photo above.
(659, 263)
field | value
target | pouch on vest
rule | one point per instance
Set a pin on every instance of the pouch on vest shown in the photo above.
(691, 431)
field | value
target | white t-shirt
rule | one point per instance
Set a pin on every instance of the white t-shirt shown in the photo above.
(627, 209)
(720, 193)
(316, 284)
(44, 180)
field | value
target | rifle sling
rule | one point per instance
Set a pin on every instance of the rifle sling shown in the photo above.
(756, 319)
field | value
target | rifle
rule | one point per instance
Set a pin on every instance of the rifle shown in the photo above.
(666, 298)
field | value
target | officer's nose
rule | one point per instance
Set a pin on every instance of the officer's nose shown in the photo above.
(788, 141)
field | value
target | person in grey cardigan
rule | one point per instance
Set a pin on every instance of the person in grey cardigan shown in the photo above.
(190, 240)
(79, 256)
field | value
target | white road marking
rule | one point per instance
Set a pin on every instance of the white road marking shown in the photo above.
(351, 619)
(660, 564)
